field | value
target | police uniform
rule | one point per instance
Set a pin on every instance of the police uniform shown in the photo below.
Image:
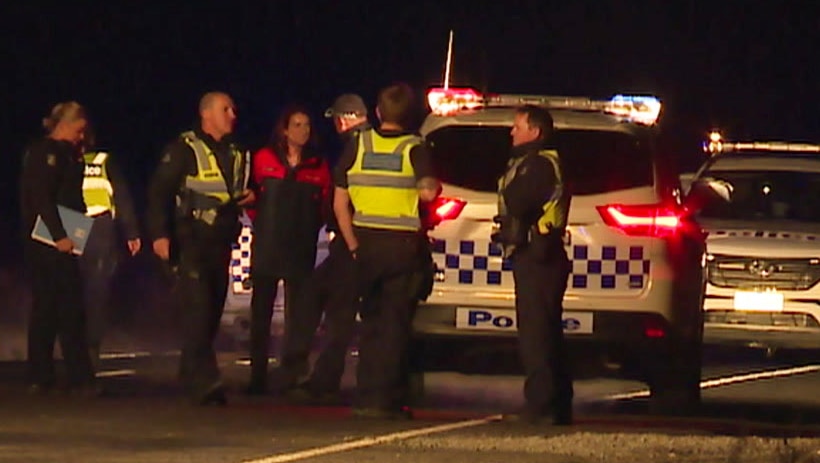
(380, 170)
(201, 178)
(533, 207)
(107, 198)
(53, 175)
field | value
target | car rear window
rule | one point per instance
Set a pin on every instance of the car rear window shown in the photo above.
(595, 161)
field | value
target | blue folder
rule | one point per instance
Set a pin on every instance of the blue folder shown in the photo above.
(77, 226)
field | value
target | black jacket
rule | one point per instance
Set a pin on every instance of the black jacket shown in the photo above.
(178, 161)
(52, 174)
(533, 184)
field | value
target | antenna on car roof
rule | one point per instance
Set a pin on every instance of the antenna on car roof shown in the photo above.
(449, 61)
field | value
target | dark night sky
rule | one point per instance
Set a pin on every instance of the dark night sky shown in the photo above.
(140, 66)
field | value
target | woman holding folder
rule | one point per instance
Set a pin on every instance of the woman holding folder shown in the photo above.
(51, 193)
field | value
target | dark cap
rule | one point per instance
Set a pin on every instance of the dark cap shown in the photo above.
(347, 104)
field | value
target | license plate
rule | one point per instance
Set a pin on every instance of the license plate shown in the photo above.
(758, 301)
(486, 319)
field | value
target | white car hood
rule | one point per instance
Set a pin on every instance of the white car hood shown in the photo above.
(784, 239)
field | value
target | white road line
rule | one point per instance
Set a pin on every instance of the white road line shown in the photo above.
(717, 382)
(373, 441)
(138, 354)
(113, 373)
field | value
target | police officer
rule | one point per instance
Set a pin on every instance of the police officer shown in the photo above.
(384, 173)
(332, 287)
(53, 175)
(108, 200)
(533, 205)
(203, 175)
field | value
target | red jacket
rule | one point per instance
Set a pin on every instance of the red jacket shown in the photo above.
(312, 170)
(289, 212)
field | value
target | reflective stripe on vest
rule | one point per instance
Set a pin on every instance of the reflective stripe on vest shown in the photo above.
(98, 193)
(209, 180)
(382, 182)
(554, 211)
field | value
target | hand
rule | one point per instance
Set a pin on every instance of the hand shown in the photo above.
(64, 245)
(248, 197)
(162, 248)
(134, 246)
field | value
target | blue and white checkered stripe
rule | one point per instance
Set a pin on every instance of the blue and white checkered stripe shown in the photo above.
(593, 267)
(240, 267)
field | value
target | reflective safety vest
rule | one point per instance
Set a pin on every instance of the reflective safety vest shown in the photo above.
(98, 193)
(382, 182)
(554, 211)
(207, 190)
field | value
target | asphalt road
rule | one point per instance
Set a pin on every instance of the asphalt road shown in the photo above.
(754, 409)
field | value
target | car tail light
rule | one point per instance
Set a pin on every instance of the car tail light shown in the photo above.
(442, 209)
(653, 220)
(653, 329)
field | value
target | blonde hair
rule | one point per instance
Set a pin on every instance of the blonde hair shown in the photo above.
(66, 111)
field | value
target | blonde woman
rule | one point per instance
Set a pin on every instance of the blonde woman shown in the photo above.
(53, 175)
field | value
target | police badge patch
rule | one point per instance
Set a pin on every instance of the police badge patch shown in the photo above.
(51, 160)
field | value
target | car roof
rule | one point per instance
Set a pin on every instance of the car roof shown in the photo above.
(562, 118)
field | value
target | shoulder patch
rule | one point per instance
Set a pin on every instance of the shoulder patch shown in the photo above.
(51, 159)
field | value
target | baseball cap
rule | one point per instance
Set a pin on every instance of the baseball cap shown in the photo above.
(347, 104)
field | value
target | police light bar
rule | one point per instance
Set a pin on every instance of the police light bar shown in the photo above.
(640, 109)
(715, 145)
(445, 101)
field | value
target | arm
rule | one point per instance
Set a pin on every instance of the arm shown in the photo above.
(175, 164)
(123, 201)
(532, 186)
(125, 206)
(341, 197)
(428, 185)
(341, 207)
(42, 168)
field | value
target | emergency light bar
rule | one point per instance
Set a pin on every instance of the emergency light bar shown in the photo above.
(447, 101)
(716, 145)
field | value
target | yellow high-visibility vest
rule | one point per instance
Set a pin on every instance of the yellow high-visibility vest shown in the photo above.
(382, 183)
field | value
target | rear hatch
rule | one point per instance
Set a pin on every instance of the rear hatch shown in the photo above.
(618, 258)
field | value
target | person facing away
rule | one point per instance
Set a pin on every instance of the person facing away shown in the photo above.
(293, 181)
(108, 200)
(198, 191)
(52, 176)
(384, 173)
(533, 204)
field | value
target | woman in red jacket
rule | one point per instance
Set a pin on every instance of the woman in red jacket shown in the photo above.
(293, 182)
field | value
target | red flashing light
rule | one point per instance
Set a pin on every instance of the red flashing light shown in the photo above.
(654, 220)
(445, 101)
(442, 209)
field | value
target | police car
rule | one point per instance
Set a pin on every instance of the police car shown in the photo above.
(634, 297)
(761, 208)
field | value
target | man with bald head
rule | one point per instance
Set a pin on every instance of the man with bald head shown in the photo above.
(195, 199)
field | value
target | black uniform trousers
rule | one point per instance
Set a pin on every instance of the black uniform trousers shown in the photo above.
(204, 255)
(387, 266)
(332, 290)
(57, 311)
(265, 288)
(540, 283)
(98, 265)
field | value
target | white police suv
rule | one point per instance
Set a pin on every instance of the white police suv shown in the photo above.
(761, 207)
(634, 297)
